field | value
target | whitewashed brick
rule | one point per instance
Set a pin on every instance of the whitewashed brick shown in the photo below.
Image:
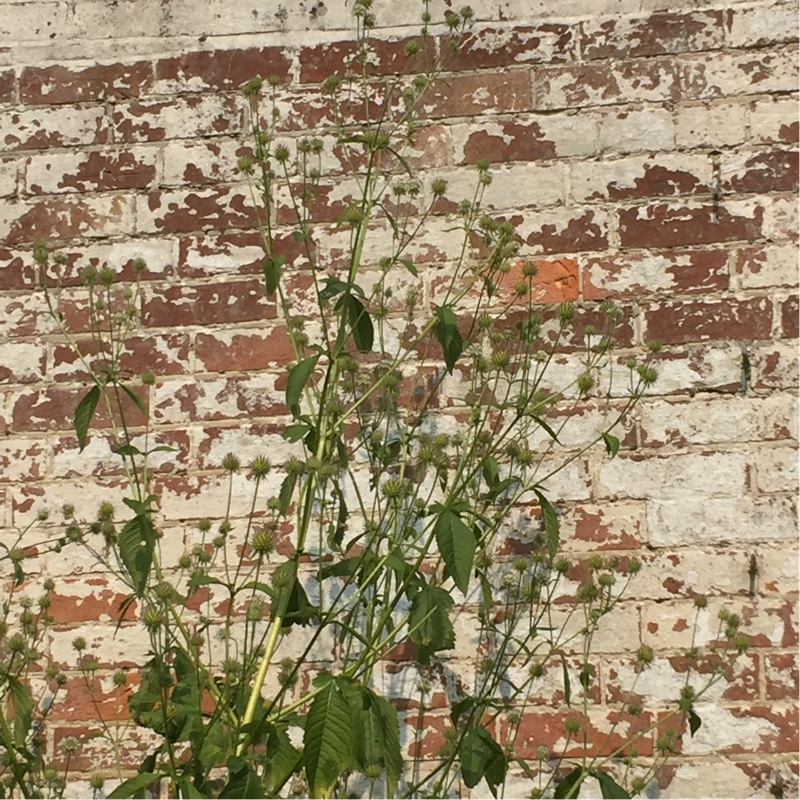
(710, 125)
(8, 177)
(763, 25)
(772, 265)
(772, 119)
(701, 520)
(776, 469)
(636, 131)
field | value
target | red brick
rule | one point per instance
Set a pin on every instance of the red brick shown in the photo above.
(673, 225)
(53, 408)
(77, 701)
(18, 270)
(207, 304)
(770, 171)
(90, 172)
(163, 355)
(68, 217)
(789, 318)
(656, 35)
(546, 728)
(243, 352)
(556, 281)
(603, 529)
(388, 57)
(781, 675)
(598, 84)
(494, 48)
(7, 86)
(178, 118)
(194, 210)
(569, 230)
(637, 274)
(58, 84)
(93, 601)
(696, 321)
(464, 95)
(518, 141)
(222, 69)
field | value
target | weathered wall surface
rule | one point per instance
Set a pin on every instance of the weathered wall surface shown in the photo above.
(611, 127)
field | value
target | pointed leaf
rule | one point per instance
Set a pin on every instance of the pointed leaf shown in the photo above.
(544, 425)
(23, 709)
(570, 784)
(242, 781)
(286, 493)
(84, 413)
(138, 401)
(134, 785)
(429, 622)
(136, 544)
(327, 740)
(448, 335)
(298, 377)
(609, 788)
(456, 543)
(551, 526)
(612, 444)
(361, 325)
(272, 268)
(694, 722)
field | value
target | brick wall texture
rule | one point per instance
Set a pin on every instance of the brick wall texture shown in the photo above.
(646, 151)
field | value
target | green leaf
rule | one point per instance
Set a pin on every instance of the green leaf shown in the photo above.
(448, 335)
(84, 413)
(286, 493)
(392, 755)
(327, 740)
(293, 433)
(298, 377)
(188, 789)
(609, 788)
(570, 784)
(612, 444)
(542, 424)
(456, 543)
(694, 722)
(138, 402)
(282, 758)
(128, 450)
(480, 757)
(500, 487)
(272, 268)
(490, 471)
(360, 324)
(134, 785)
(551, 526)
(23, 709)
(242, 782)
(136, 543)
(409, 265)
(567, 685)
(429, 623)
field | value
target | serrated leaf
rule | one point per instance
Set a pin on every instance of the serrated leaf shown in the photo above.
(134, 785)
(327, 740)
(481, 757)
(282, 758)
(429, 622)
(448, 336)
(456, 543)
(243, 782)
(84, 413)
(136, 544)
(551, 525)
(272, 269)
(23, 709)
(189, 790)
(392, 755)
(612, 444)
(298, 378)
(490, 471)
(609, 788)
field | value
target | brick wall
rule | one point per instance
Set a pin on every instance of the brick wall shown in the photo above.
(611, 127)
